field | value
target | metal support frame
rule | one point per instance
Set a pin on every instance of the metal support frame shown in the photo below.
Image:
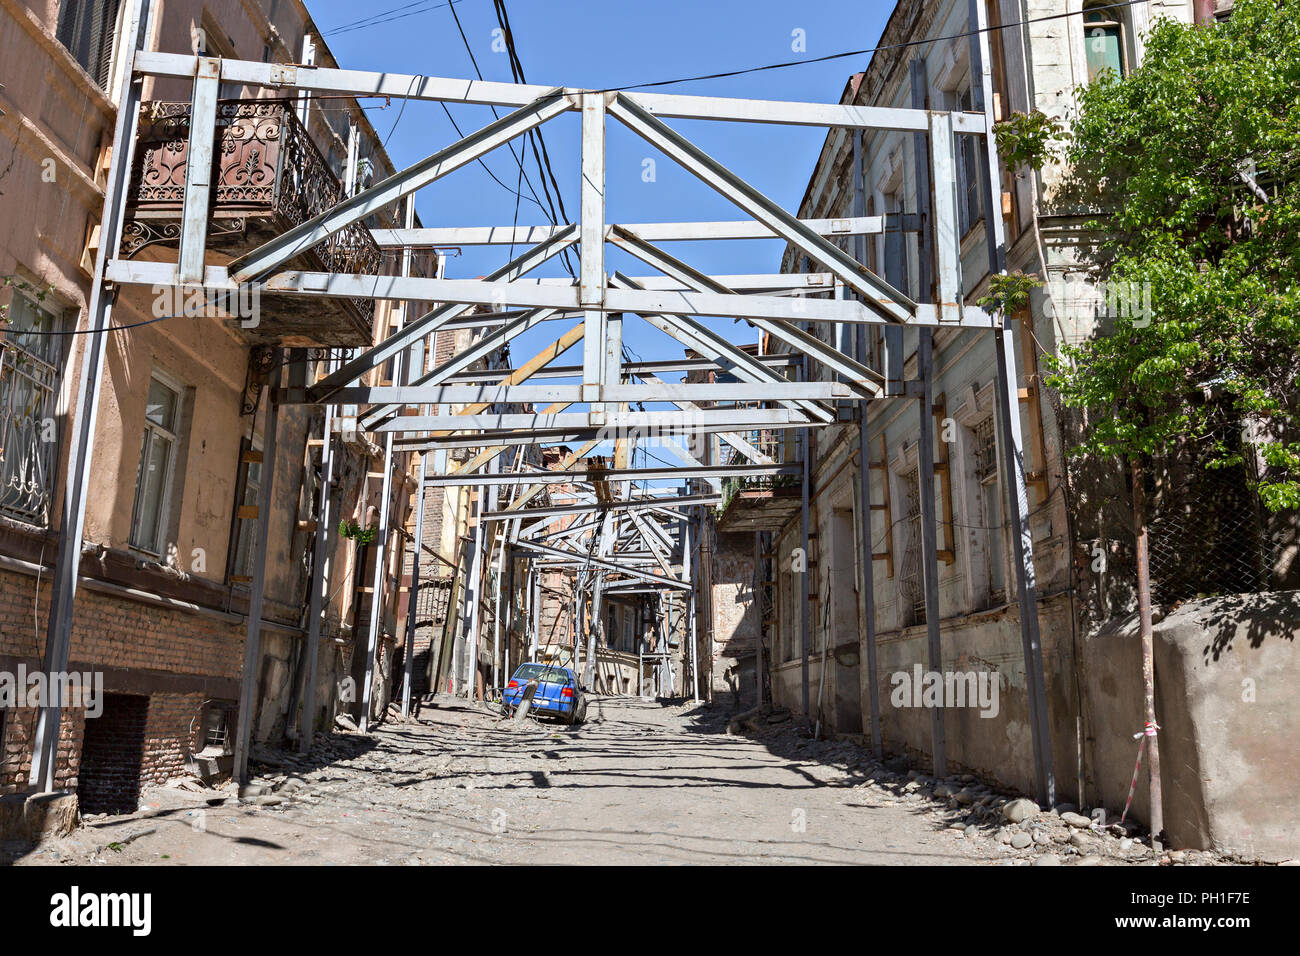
(323, 542)
(1008, 409)
(628, 549)
(248, 680)
(99, 312)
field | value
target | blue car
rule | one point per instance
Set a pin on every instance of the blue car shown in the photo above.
(557, 692)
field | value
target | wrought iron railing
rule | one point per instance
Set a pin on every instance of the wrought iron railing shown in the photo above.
(265, 165)
(768, 441)
(28, 397)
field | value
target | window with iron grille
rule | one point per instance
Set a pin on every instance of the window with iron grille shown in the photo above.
(984, 460)
(985, 450)
(87, 29)
(216, 729)
(912, 592)
(30, 370)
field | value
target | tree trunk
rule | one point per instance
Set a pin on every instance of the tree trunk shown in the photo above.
(1148, 652)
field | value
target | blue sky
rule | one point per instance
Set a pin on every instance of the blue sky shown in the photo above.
(601, 45)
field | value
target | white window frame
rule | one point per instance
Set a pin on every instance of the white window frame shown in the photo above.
(902, 466)
(165, 500)
(976, 408)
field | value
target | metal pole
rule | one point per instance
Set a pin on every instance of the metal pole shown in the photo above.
(473, 595)
(496, 614)
(377, 584)
(253, 638)
(412, 604)
(319, 579)
(866, 547)
(929, 552)
(99, 312)
(805, 580)
(1148, 655)
(415, 368)
(758, 619)
(1008, 408)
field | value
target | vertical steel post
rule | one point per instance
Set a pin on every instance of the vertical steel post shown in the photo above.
(319, 577)
(412, 603)
(198, 170)
(99, 312)
(417, 366)
(494, 467)
(253, 639)
(1008, 407)
(591, 286)
(866, 548)
(929, 546)
(474, 597)
(805, 578)
(758, 619)
(689, 574)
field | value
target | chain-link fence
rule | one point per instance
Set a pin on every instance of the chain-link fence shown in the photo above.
(1209, 533)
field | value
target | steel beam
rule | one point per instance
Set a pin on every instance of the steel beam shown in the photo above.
(605, 564)
(248, 678)
(864, 380)
(323, 540)
(891, 304)
(99, 311)
(198, 170)
(556, 511)
(568, 476)
(1012, 472)
(364, 83)
(649, 231)
(260, 262)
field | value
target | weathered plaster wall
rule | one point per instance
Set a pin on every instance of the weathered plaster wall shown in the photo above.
(1226, 670)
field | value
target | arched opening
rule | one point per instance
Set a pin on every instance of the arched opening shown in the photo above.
(1104, 40)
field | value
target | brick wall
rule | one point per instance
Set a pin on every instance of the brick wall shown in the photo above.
(174, 659)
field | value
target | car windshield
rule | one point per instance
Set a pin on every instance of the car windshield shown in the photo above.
(542, 673)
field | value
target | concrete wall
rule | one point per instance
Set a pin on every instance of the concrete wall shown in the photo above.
(1226, 670)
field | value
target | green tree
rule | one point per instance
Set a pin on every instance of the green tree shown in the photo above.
(1190, 167)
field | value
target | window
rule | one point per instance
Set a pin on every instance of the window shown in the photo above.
(157, 459)
(984, 460)
(216, 730)
(910, 583)
(970, 207)
(1103, 39)
(30, 363)
(87, 28)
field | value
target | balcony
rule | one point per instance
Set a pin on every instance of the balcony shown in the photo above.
(267, 177)
(759, 503)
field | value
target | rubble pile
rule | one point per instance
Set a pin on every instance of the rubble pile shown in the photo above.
(1011, 826)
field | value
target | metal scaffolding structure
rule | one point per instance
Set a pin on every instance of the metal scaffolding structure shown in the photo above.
(619, 538)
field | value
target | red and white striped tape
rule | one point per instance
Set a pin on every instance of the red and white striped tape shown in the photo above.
(1149, 730)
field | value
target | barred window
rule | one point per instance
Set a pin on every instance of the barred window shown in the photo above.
(30, 370)
(984, 461)
(985, 450)
(912, 593)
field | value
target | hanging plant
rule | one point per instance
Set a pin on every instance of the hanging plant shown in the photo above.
(362, 536)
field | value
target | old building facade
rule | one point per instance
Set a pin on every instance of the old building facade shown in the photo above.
(1042, 53)
(173, 510)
